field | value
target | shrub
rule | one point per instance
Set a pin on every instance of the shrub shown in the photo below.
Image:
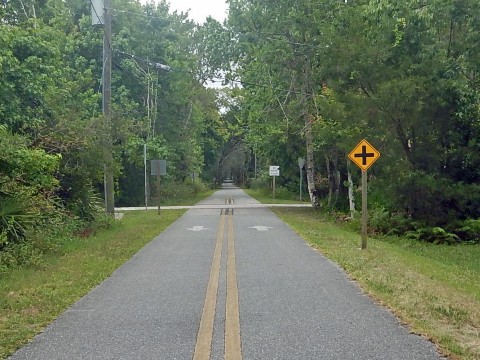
(197, 186)
(172, 192)
(385, 222)
(260, 183)
(379, 219)
(18, 254)
(435, 235)
(282, 192)
(470, 231)
(16, 217)
(86, 205)
(438, 201)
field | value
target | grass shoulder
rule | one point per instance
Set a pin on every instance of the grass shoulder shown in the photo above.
(435, 289)
(267, 197)
(31, 298)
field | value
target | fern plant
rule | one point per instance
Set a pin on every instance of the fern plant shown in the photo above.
(470, 231)
(435, 235)
(16, 217)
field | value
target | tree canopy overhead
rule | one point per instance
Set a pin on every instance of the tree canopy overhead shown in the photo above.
(306, 79)
(318, 76)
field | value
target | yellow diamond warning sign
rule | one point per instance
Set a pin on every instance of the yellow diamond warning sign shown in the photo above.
(364, 155)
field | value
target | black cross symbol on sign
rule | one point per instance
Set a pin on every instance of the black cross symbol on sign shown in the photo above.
(364, 155)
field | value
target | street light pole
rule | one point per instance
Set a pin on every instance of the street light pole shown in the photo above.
(301, 164)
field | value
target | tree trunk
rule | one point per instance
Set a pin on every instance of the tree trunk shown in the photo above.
(351, 199)
(310, 163)
(330, 181)
(337, 185)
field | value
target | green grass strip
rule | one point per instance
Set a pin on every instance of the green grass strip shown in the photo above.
(32, 298)
(435, 289)
(266, 197)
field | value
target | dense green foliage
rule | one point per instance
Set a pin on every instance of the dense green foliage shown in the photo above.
(318, 76)
(52, 132)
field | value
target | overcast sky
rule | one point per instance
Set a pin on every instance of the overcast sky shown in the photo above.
(200, 9)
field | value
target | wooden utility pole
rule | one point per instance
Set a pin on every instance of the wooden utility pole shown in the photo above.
(106, 106)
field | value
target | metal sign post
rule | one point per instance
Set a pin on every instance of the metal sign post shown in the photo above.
(364, 155)
(146, 178)
(273, 190)
(301, 163)
(158, 168)
(194, 175)
(158, 189)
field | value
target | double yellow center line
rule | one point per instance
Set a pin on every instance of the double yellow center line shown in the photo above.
(233, 349)
(203, 346)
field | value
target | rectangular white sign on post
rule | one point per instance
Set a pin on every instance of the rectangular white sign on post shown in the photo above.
(274, 170)
(158, 166)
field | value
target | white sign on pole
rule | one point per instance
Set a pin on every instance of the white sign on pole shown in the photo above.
(301, 163)
(275, 170)
(158, 166)
(97, 12)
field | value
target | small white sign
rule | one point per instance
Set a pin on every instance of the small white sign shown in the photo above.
(198, 228)
(261, 228)
(275, 170)
(158, 166)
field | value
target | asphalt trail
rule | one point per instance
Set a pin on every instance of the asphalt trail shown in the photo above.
(255, 286)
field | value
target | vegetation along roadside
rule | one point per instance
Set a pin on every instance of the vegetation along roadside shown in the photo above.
(31, 297)
(435, 289)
